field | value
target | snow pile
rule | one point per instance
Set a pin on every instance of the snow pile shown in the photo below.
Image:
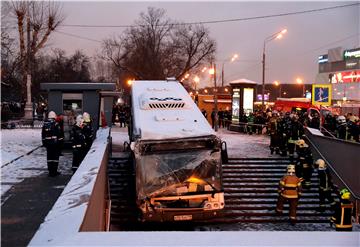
(18, 142)
(65, 218)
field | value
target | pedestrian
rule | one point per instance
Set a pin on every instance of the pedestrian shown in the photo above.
(325, 186)
(87, 131)
(51, 138)
(221, 118)
(122, 118)
(78, 143)
(213, 118)
(203, 111)
(343, 212)
(289, 191)
(273, 131)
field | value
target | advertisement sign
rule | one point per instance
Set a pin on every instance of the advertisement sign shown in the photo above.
(248, 100)
(353, 53)
(235, 105)
(345, 77)
(323, 59)
(321, 94)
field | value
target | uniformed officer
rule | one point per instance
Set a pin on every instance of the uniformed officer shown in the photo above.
(343, 212)
(52, 138)
(289, 190)
(304, 164)
(87, 131)
(295, 132)
(78, 143)
(325, 185)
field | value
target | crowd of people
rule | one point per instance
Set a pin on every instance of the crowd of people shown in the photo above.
(81, 136)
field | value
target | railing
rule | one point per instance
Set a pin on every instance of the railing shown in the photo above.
(248, 127)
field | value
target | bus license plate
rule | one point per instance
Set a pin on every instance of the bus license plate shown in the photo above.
(182, 217)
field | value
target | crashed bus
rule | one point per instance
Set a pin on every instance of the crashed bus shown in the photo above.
(177, 156)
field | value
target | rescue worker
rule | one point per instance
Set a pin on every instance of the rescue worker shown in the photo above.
(282, 135)
(52, 139)
(78, 143)
(343, 212)
(304, 164)
(295, 132)
(341, 127)
(289, 190)
(87, 131)
(325, 186)
(273, 131)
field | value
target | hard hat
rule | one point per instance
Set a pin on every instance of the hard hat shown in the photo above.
(290, 169)
(269, 114)
(352, 119)
(321, 164)
(345, 194)
(301, 143)
(341, 119)
(79, 120)
(52, 114)
(86, 117)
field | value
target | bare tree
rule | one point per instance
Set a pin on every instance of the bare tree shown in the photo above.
(36, 20)
(157, 47)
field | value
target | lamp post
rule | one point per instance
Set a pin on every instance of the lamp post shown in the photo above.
(278, 85)
(212, 72)
(233, 58)
(196, 81)
(301, 82)
(277, 35)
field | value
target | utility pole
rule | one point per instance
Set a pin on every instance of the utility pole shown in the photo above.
(28, 106)
(222, 76)
(263, 80)
(215, 100)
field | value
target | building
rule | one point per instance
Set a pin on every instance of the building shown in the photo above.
(341, 69)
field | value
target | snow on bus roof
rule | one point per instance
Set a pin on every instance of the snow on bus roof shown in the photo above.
(165, 110)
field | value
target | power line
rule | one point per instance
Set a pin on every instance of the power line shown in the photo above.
(77, 36)
(219, 21)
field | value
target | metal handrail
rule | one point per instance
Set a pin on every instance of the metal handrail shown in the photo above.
(328, 132)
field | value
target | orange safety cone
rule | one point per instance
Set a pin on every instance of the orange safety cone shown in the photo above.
(103, 120)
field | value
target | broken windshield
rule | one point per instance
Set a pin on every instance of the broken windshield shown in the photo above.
(178, 173)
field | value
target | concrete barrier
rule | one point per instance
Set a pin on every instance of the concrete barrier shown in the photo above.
(82, 205)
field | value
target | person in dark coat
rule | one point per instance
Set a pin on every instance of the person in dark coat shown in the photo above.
(305, 161)
(52, 138)
(78, 143)
(87, 131)
(325, 186)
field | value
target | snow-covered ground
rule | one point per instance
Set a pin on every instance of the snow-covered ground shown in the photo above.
(18, 142)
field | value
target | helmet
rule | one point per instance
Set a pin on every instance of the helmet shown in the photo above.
(290, 169)
(352, 119)
(321, 164)
(269, 114)
(52, 114)
(345, 194)
(341, 119)
(301, 143)
(86, 117)
(79, 120)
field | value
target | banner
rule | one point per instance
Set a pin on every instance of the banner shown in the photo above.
(321, 94)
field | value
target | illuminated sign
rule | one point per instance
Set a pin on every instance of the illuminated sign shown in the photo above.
(248, 103)
(323, 59)
(259, 97)
(308, 95)
(353, 53)
(345, 77)
(321, 94)
(236, 105)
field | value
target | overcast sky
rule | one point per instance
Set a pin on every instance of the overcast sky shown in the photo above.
(308, 36)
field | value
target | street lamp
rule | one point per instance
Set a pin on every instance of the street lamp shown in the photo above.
(233, 58)
(277, 84)
(212, 73)
(196, 81)
(277, 35)
(301, 82)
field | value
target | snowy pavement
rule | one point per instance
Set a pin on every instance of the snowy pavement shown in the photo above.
(19, 142)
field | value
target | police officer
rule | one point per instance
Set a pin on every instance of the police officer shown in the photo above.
(343, 212)
(304, 164)
(289, 190)
(87, 131)
(52, 138)
(78, 143)
(325, 185)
